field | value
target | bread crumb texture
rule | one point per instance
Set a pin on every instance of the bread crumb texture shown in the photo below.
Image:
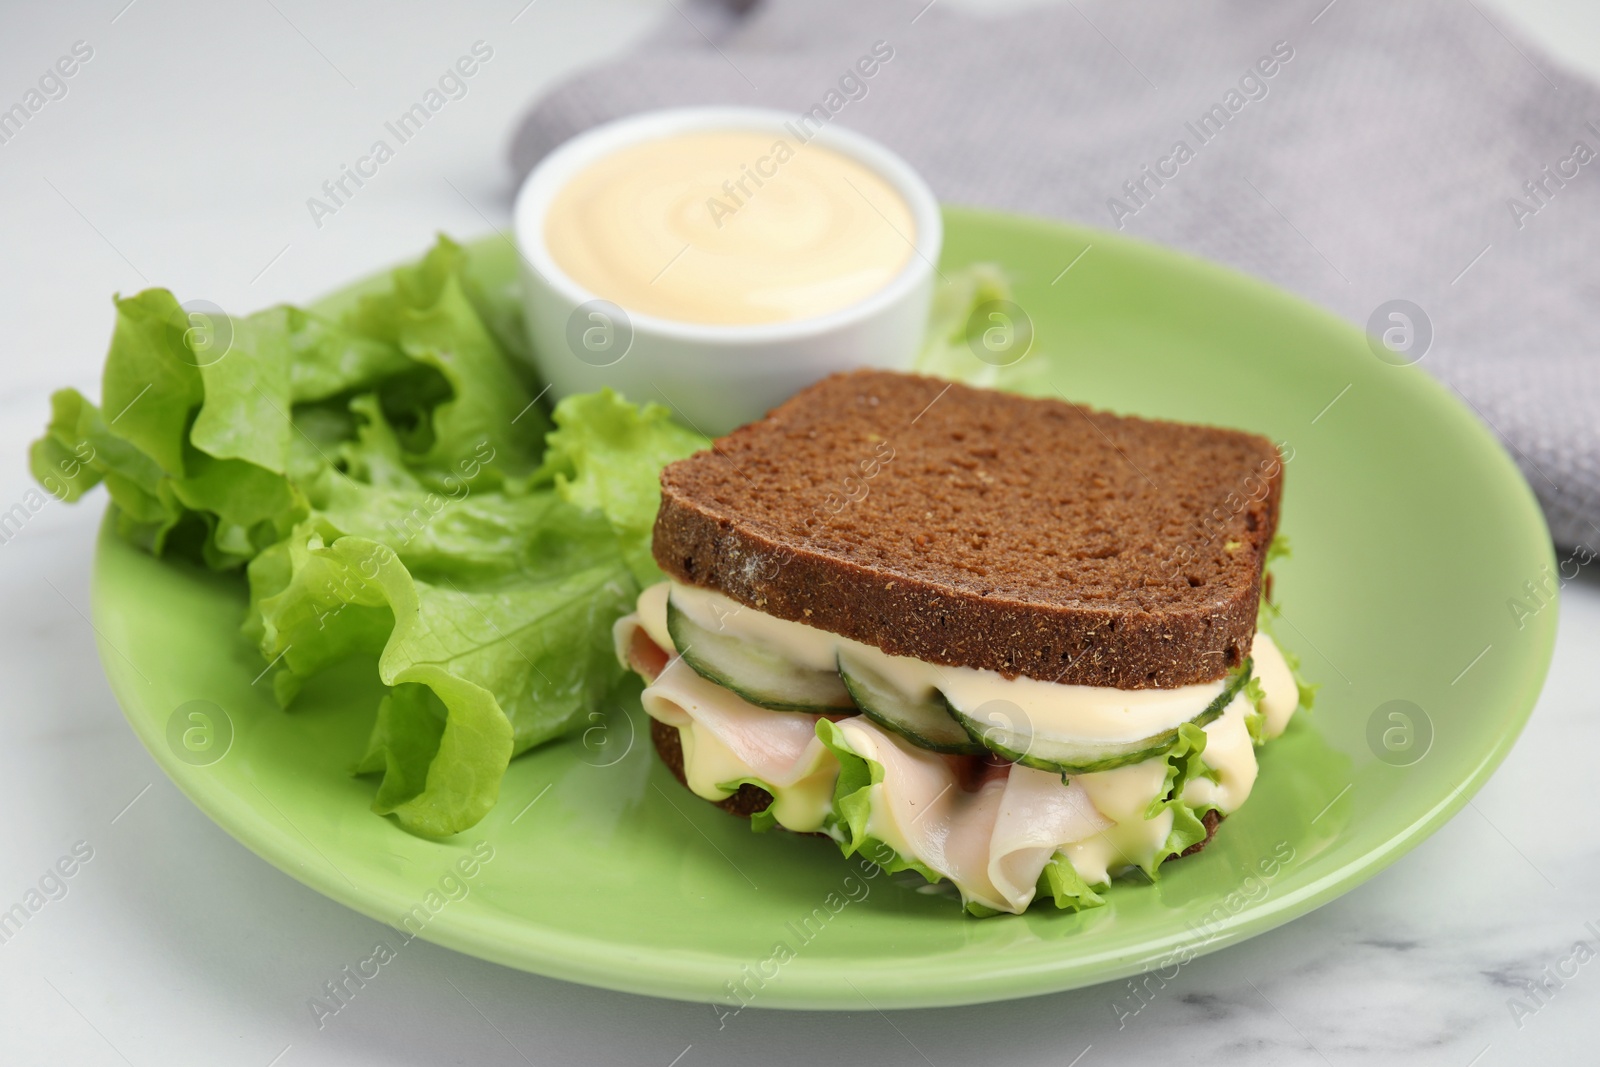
(978, 528)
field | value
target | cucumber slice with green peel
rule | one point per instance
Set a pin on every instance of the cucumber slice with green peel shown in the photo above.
(1004, 731)
(926, 723)
(757, 674)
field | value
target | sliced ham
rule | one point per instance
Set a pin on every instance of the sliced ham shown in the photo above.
(993, 841)
(777, 747)
(1037, 816)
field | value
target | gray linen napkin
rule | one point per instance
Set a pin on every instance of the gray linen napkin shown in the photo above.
(1410, 151)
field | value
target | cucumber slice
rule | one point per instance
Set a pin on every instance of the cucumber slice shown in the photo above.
(925, 723)
(1000, 727)
(757, 674)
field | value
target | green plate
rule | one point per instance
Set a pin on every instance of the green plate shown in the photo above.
(1412, 534)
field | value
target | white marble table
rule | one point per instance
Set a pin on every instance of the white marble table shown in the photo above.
(183, 153)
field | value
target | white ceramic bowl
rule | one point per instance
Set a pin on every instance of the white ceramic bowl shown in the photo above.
(715, 377)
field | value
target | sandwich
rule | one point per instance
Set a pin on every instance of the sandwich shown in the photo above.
(1011, 644)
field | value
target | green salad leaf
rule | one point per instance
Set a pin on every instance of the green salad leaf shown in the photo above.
(1267, 614)
(852, 804)
(1183, 763)
(946, 352)
(1255, 720)
(431, 316)
(607, 454)
(1065, 887)
(512, 657)
(152, 379)
(385, 481)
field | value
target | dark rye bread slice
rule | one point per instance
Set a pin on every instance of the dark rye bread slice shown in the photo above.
(969, 527)
(750, 799)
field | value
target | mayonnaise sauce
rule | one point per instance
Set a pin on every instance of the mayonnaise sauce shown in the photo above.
(1231, 755)
(1122, 795)
(1079, 712)
(730, 227)
(1277, 683)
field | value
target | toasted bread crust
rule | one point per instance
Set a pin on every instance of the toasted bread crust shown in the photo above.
(984, 529)
(1210, 820)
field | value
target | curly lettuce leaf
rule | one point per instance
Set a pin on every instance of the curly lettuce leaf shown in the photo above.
(1065, 887)
(215, 428)
(152, 382)
(161, 480)
(489, 611)
(852, 806)
(78, 451)
(763, 820)
(945, 353)
(383, 478)
(1183, 763)
(457, 528)
(245, 508)
(1267, 614)
(405, 741)
(431, 316)
(1187, 830)
(1255, 720)
(607, 454)
(196, 439)
(1307, 691)
(512, 656)
(246, 400)
(327, 360)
